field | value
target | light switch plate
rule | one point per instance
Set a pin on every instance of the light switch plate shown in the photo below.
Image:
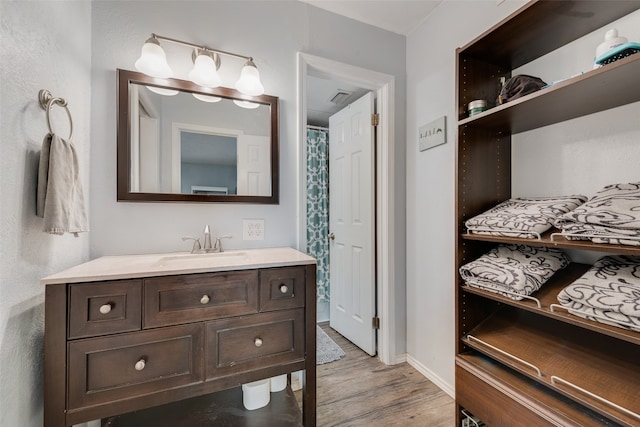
(253, 229)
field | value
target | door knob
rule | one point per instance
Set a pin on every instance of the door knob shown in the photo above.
(331, 236)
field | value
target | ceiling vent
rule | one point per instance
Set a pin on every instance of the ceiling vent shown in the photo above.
(341, 97)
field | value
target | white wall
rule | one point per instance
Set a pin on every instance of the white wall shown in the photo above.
(604, 146)
(270, 31)
(43, 45)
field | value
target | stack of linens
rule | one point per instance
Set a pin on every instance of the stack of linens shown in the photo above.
(612, 215)
(514, 270)
(609, 292)
(526, 217)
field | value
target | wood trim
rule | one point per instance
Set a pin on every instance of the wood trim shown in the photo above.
(309, 388)
(55, 360)
(124, 78)
(387, 241)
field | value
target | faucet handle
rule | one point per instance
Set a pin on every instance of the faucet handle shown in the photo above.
(196, 243)
(218, 245)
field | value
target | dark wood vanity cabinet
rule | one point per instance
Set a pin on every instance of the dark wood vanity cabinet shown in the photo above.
(527, 363)
(118, 346)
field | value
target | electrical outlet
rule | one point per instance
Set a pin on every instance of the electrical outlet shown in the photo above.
(253, 229)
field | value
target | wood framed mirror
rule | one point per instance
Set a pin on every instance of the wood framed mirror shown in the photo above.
(180, 142)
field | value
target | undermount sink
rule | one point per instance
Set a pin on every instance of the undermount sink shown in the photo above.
(211, 259)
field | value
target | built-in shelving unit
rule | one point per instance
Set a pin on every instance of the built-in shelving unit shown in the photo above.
(531, 362)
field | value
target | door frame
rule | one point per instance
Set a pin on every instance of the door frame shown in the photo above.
(384, 87)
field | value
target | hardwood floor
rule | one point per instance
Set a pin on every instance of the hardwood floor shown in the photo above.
(359, 390)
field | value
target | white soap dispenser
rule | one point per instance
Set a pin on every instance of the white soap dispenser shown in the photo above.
(611, 40)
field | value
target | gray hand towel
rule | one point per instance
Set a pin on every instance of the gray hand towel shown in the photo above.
(60, 199)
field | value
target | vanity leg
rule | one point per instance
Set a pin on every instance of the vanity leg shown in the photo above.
(309, 376)
(55, 339)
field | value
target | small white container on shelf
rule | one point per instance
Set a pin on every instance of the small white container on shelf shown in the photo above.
(278, 383)
(256, 395)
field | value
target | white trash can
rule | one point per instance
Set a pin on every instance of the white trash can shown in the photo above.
(256, 395)
(278, 383)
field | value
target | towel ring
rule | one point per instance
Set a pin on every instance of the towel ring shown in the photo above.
(47, 101)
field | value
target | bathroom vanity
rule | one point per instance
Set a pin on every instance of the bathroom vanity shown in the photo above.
(124, 333)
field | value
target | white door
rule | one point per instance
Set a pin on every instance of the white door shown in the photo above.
(254, 165)
(351, 223)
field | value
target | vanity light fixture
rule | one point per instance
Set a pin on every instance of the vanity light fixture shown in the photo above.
(153, 62)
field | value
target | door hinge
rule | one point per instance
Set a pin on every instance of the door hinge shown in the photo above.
(375, 119)
(376, 322)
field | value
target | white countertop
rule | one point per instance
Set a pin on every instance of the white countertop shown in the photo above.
(163, 264)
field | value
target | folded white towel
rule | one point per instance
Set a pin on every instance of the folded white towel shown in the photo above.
(60, 199)
(514, 270)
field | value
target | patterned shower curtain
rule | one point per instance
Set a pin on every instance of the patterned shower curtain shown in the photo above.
(318, 206)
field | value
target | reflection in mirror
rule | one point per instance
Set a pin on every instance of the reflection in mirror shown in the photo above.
(188, 143)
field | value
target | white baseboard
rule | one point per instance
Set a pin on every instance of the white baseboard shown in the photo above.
(431, 376)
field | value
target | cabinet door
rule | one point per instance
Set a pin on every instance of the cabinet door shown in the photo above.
(104, 308)
(254, 342)
(105, 369)
(282, 288)
(171, 300)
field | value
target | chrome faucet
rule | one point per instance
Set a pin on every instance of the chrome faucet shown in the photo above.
(198, 249)
(196, 244)
(217, 247)
(207, 239)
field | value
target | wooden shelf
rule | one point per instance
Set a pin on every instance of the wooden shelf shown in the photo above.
(550, 405)
(222, 409)
(603, 361)
(547, 295)
(557, 242)
(541, 27)
(598, 364)
(597, 90)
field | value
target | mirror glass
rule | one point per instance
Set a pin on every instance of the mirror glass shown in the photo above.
(181, 142)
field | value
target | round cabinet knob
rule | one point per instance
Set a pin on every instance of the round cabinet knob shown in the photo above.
(331, 236)
(140, 364)
(205, 299)
(105, 308)
(284, 288)
(258, 342)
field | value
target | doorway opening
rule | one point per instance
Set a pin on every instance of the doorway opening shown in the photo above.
(383, 87)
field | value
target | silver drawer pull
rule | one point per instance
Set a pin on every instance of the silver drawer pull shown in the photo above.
(205, 299)
(140, 364)
(258, 342)
(504, 353)
(556, 379)
(284, 288)
(105, 308)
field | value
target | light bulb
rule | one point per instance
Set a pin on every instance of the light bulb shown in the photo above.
(162, 91)
(206, 98)
(153, 61)
(249, 81)
(204, 71)
(246, 104)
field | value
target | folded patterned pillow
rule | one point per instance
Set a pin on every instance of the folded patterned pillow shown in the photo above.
(526, 217)
(514, 270)
(612, 215)
(609, 292)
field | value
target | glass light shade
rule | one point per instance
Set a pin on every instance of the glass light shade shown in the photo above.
(204, 72)
(206, 98)
(163, 91)
(153, 61)
(246, 104)
(249, 81)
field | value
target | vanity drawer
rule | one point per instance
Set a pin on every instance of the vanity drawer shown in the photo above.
(172, 300)
(282, 288)
(104, 308)
(108, 368)
(253, 342)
